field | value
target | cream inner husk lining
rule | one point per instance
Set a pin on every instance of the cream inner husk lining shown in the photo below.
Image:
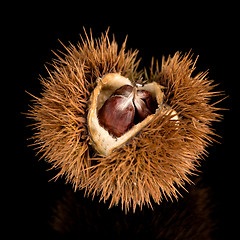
(102, 141)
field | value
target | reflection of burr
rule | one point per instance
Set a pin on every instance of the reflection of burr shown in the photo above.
(189, 218)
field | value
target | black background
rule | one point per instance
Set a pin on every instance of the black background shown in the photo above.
(34, 31)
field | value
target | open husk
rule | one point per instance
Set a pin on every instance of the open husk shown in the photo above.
(103, 142)
(154, 161)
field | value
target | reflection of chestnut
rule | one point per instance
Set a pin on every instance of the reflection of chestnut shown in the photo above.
(125, 107)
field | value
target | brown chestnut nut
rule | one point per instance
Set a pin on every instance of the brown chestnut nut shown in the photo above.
(117, 114)
(125, 107)
(144, 105)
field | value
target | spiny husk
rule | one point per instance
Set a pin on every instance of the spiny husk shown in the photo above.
(155, 162)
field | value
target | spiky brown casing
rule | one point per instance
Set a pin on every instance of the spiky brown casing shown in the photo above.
(155, 162)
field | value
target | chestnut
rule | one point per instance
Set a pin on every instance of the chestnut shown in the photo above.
(126, 107)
